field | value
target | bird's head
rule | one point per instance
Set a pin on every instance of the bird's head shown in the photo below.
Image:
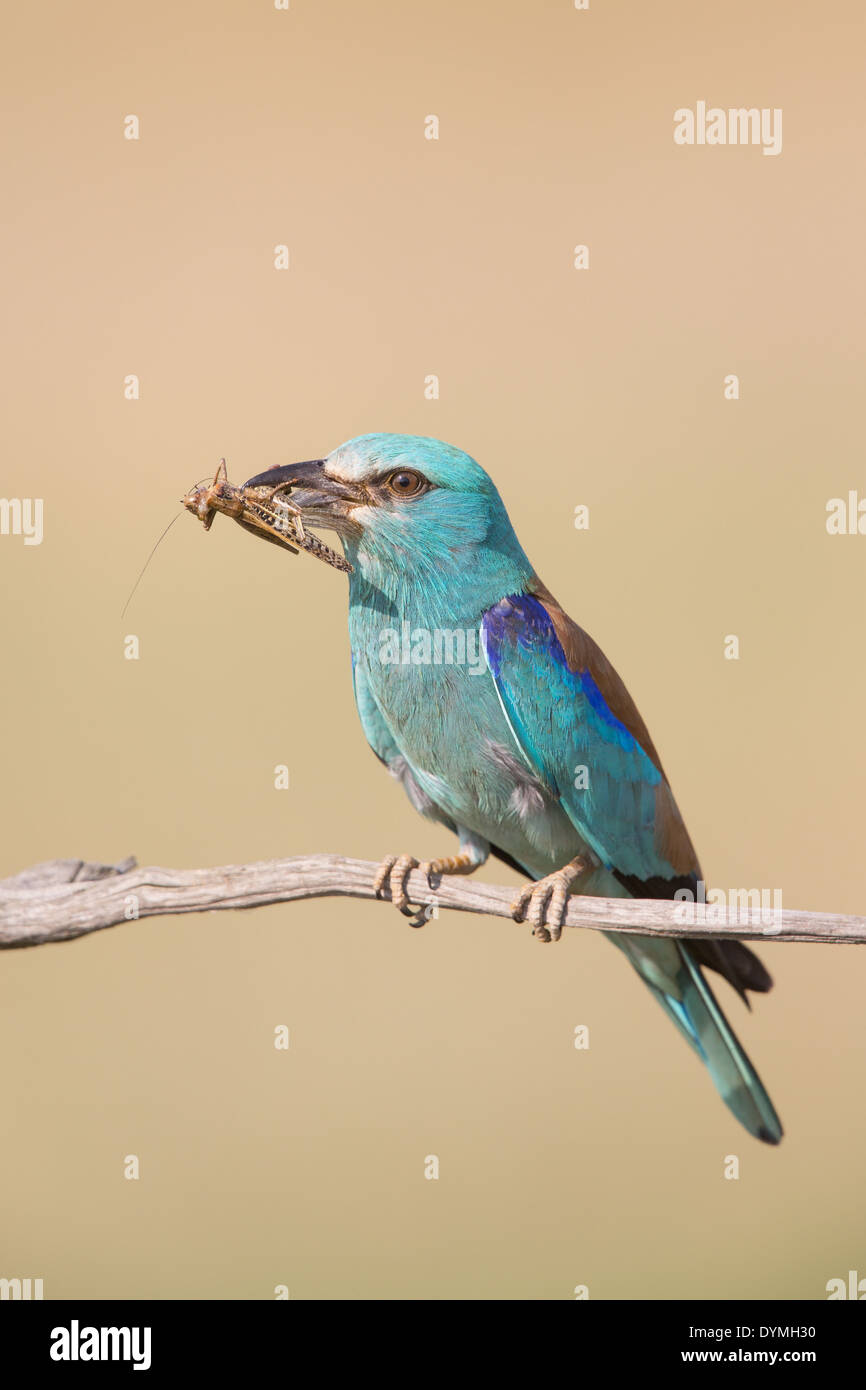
(406, 508)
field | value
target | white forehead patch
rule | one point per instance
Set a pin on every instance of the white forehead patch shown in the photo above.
(351, 465)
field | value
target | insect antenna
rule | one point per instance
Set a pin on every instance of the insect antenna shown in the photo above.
(146, 563)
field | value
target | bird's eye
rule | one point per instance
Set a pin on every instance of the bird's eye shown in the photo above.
(405, 482)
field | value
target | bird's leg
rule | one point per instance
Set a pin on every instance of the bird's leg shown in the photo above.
(395, 869)
(464, 863)
(544, 903)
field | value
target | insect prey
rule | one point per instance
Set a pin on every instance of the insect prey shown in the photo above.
(261, 510)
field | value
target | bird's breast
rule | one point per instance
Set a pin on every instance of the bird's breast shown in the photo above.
(437, 697)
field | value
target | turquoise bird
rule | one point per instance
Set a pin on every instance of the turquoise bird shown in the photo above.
(504, 721)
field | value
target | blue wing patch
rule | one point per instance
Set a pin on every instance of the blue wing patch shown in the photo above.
(605, 781)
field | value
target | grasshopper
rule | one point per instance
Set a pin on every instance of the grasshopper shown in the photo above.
(261, 511)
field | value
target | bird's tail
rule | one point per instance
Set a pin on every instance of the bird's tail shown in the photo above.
(678, 984)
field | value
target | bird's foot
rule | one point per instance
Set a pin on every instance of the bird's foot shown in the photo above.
(393, 872)
(396, 868)
(544, 904)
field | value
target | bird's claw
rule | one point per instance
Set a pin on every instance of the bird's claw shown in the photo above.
(393, 873)
(536, 904)
(545, 904)
(432, 873)
(395, 869)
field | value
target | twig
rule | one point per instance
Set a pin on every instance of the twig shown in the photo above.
(65, 898)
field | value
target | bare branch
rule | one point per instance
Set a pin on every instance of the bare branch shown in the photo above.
(65, 898)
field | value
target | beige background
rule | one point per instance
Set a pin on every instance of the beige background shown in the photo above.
(707, 518)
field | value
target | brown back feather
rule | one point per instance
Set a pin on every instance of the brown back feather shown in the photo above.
(583, 654)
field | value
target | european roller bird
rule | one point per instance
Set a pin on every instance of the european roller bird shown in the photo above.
(482, 697)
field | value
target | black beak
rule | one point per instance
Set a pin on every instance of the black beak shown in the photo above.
(289, 474)
(311, 488)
